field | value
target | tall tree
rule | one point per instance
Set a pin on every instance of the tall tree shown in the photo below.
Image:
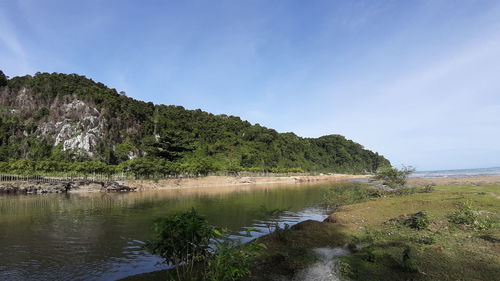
(3, 79)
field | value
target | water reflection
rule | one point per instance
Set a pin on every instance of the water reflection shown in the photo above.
(97, 236)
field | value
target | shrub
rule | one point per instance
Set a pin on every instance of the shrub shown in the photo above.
(345, 194)
(406, 191)
(344, 269)
(232, 261)
(394, 177)
(181, 238)
(428, 188)
(408, 261)
(199, 251)
(282, 233)
(369, 255)
(417, 221)
(466, 215)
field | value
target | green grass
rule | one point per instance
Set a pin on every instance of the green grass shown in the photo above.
(391, 250)
(442, 251)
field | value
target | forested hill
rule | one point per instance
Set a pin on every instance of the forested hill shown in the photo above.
(55, 121)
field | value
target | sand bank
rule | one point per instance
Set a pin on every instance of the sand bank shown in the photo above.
(213, 181)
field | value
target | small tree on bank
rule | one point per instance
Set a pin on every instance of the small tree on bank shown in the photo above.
(394, 177)
(3, 79)
(199, 251)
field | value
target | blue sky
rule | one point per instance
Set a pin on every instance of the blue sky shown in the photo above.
(417, 81)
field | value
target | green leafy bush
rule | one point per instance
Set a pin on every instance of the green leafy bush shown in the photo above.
(464, 215)
(418, 221)
(344, 269)
(199, 251)
(394, 177)
(467, 216)
(231, 261)
(182, 238)
(408, 260)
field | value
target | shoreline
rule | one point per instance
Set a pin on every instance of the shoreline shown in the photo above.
(353, 219)
(87, 186)
(223, 181)
(81, 186)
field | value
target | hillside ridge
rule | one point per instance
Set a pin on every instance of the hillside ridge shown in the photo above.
(69, 118)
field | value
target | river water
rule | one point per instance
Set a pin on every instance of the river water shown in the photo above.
(98, 236)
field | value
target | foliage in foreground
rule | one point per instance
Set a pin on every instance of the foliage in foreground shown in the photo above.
(181, 238)
(434, 244)
(407, 236)
(199, 251)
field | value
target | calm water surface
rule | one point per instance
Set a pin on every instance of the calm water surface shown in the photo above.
(98, 236)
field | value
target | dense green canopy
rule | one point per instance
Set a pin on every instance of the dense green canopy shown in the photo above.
(163, 137)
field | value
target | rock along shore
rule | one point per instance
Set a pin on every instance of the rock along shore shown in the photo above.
(39, 187)
(75, 186)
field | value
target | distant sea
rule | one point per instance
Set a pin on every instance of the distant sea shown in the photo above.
(457, 173)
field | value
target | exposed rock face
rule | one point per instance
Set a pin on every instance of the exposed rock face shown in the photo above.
(79, 126)
(75, 124)
(39, 187)
(35, 187)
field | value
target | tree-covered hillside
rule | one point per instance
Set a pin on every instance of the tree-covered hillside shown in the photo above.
(59, 122)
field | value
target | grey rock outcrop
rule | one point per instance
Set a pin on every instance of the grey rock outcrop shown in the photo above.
(39, 187)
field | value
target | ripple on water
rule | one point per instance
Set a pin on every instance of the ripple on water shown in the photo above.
(99, 236)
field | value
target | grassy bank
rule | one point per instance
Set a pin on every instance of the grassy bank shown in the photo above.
(458, 239)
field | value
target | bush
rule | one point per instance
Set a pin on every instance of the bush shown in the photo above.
(408, 261)
(466, 215)
(345, 194)
(181, 238)
(199, 251)
(369, 255)
(232, 261)
(428, 188)
(394, 177)
(402, 191)
(418, 221)
(344, 269)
